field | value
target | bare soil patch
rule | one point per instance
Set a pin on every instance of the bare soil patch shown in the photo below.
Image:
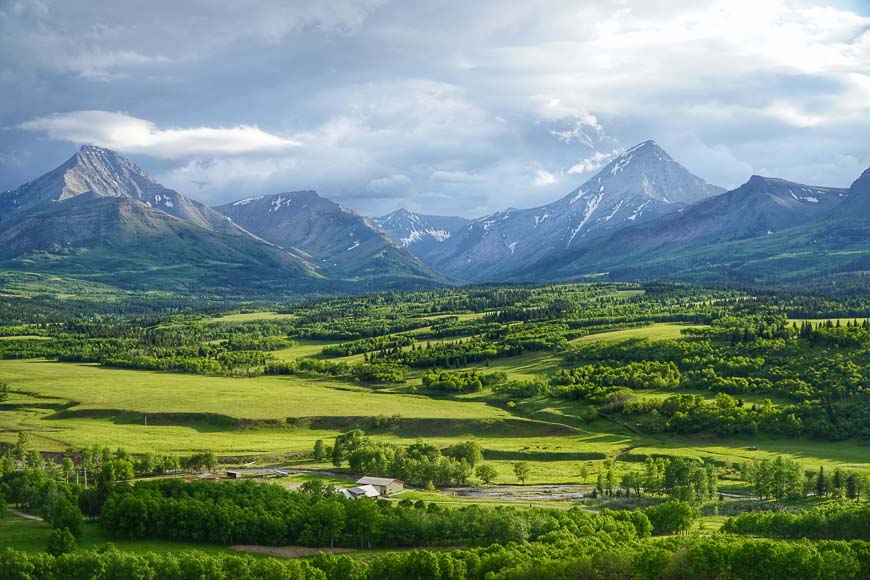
(523, 492)
(289, 551)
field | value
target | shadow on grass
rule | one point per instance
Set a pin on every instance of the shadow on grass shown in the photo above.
(394, 426)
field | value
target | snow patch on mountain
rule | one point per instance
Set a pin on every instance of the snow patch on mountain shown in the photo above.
(578, 196)
(247, 200)
(280, 202)
(638, 212)
(613, 212)
(591, 205)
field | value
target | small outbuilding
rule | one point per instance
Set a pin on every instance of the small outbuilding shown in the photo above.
(234, 474)
(384, 485)
(360, 492)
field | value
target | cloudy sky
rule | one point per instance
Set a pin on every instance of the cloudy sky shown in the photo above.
(439, 106)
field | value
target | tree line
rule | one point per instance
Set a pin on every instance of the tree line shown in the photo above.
(554, 556)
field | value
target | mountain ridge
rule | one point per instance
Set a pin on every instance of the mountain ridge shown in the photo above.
(100, 217)
(760, 219)
(336, 239)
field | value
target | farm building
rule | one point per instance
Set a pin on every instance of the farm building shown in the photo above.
(360, 492)
(234, 474)
(384, 485)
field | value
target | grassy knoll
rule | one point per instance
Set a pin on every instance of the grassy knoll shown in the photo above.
(94, 388)
(78, 404)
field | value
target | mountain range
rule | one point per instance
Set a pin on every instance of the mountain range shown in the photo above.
(100, 218)
(638, 186)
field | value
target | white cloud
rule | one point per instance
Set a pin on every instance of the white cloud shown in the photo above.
(792, 115)
(392, 184)
(377, 89)
(103, 41)
(104, 65)
(133, 135)
(544, 177)
(455, 176)
(594, 162)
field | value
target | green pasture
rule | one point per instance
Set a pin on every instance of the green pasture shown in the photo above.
(249, 317)
(32, 536)
(657, 331)
(305, 348)
(62, 404)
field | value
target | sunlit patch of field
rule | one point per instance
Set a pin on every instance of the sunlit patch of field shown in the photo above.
(250, 317)
(657, 331)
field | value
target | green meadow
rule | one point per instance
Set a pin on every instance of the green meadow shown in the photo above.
(62, 405)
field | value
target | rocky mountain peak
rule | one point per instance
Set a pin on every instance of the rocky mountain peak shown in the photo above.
(96, 173)
(648, 147)
(101, 160)
(399, 218)
(645, 173)
(339, 240)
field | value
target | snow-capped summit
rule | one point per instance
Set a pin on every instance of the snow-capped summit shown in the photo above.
(642, 183)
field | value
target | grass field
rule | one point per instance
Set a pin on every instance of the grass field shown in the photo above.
(32, 536)
(535, 364)
(250, 316)
(305, 348)
(658, 331)
(62, 405)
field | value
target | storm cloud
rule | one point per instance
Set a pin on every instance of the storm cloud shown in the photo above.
(444, 107)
